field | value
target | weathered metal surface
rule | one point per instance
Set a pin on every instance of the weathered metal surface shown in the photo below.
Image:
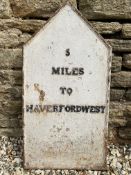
(66, 94)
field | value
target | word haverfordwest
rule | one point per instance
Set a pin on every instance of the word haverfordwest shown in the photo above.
(64, 108)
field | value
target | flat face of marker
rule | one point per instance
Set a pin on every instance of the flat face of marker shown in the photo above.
(66, 87)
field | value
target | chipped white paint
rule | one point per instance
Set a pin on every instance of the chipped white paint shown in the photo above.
(66, 140)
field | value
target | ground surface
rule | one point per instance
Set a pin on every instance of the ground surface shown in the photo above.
(11, 161)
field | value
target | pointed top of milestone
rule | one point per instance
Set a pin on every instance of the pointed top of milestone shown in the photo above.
(66, 8)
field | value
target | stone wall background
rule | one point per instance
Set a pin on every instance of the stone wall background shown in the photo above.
(20, 19)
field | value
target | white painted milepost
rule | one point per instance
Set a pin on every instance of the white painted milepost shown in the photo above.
(66, 95)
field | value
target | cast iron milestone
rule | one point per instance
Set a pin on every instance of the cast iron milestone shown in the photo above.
(66, 95)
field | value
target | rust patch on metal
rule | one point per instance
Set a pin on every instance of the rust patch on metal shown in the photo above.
(41, 92)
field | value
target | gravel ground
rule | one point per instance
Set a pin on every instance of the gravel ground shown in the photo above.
(11, 162)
